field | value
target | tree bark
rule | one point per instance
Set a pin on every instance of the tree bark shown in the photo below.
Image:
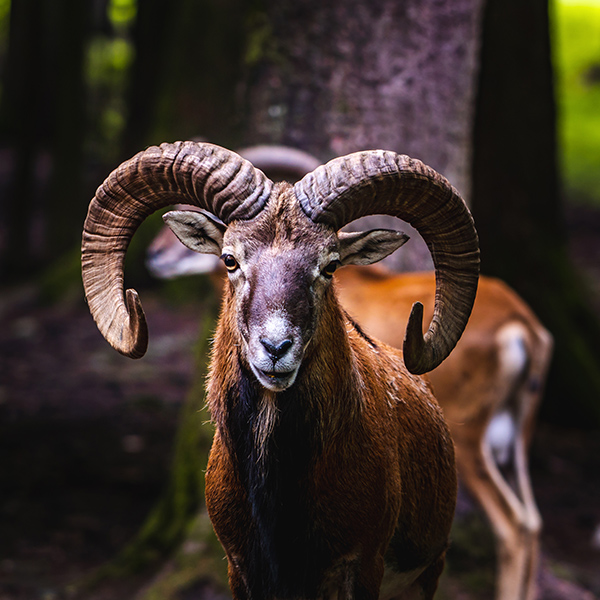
(338, 77)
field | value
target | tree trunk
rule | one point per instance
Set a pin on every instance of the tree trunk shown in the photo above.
(185, 73)
(23, 131)
(151, 30)
(68, 24)
(338, 77)
(517, 200)
(43, 118)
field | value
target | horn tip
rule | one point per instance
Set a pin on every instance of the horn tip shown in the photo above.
(414, 343)
(137, 344)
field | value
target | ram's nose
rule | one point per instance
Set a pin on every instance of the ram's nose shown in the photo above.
(276, 349)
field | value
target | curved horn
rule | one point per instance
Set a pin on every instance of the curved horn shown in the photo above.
(382, 182)
(204, 175)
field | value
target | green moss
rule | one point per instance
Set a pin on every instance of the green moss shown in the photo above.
(261, 42)
(200, 558)
(471, 557)
(61, 281)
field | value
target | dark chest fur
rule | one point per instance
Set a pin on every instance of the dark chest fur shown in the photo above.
(286, 554)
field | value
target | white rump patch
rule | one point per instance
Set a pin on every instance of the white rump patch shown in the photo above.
(512, 365)
(500, 435)
(512, 350)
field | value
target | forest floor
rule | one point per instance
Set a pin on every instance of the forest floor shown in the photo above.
(86, 442)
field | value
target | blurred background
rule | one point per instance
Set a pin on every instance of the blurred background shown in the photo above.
(101, 458)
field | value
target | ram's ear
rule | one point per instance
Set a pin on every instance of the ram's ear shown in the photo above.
(198, 231)
(368, 247)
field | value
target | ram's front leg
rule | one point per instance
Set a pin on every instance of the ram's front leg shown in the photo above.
(237, 583)
(226, 509)
(368, 582)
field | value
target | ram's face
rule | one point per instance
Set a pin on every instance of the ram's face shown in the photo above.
(279, 265)
(278, 280)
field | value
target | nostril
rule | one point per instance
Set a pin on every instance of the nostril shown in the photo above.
(284, 347)
(276, 350)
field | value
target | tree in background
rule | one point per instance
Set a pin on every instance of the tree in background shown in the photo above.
(42, 124)
(184, 78)
(334, 78)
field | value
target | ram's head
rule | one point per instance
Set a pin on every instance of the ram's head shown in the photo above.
(280, 244)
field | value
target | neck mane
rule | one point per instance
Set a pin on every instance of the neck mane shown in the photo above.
(275, 439)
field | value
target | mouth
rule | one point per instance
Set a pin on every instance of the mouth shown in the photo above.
(275, 376)
(275, 380)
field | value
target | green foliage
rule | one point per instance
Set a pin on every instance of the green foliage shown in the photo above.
(576, 29)
(4, 19)
(108, 59)
(108, 66)
(108, 62)
(122, 12)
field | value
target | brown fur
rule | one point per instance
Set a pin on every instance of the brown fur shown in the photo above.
(384, 470)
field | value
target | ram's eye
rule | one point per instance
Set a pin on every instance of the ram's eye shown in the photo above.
(330, 269)
(230, 263)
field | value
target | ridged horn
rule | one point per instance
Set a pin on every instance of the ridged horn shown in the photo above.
(200, 174)
(383, 182)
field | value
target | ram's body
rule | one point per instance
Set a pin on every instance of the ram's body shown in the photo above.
(317, 481)
(330, 458)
